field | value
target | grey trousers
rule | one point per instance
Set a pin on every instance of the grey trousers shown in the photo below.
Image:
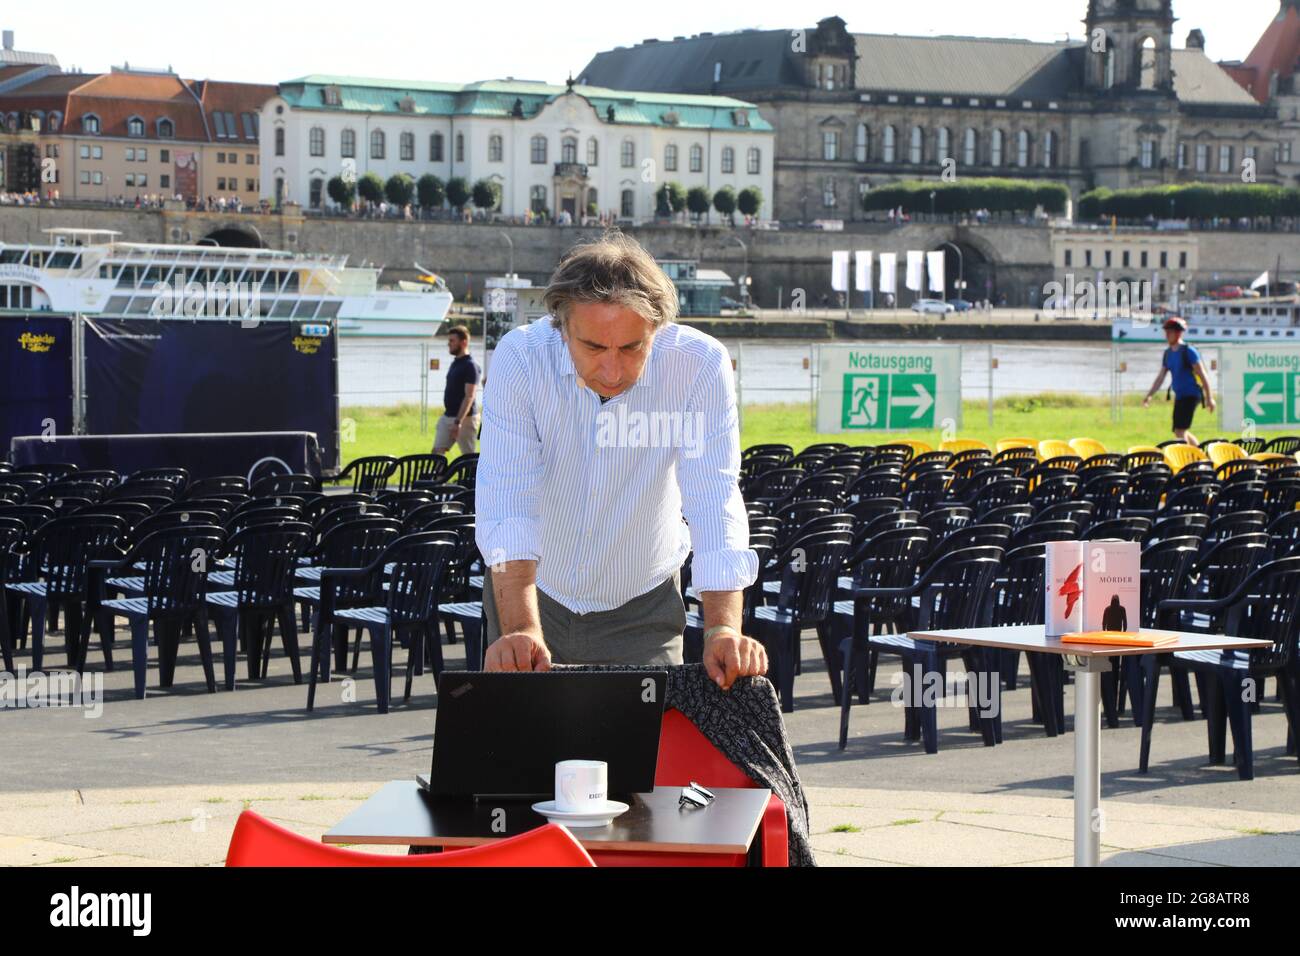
(646, 630)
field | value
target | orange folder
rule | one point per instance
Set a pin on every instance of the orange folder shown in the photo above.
(1120, 639)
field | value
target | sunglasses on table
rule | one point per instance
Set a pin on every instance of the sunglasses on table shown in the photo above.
(695, 796)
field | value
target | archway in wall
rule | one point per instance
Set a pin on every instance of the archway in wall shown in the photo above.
(234, 238)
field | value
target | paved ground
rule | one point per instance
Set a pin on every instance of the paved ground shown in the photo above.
(161, 780)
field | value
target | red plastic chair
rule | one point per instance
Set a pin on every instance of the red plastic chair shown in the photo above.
(685, 754)
(259, 842)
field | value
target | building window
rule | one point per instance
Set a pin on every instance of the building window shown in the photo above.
(670, 157)
(830, 144)
(142, 155)
(406, 147)
(995, 148)
(916, 149)
(697, 158)
(1069, 258)
(90, 124)
(1124, 258)
(627, 206)
(377, 144)
(1284, 151)
(460, 147)
(1106, 258)
(593, 152)
(130, 155)
(165, 156)
(890, 146)
(1182, 260)
(129, 180)
(569, 150)
(164, 181)
(316, 141)
(250, 185)
(85, 152)
(314, 194)
(754, 161)
(250, 125)
(97, 152)
(970, 147)
(862, 143)
(135, 126)
(1087, 258)
(1147, 76)
(1148, 158)
(728, 159)
(166, 129)
(943, 145)
(828, 192)
(1144, 259)
(627, 154)
(537, 149)
(494, 148)
(1225, 159)
(348, 144)
(1022, 148)
(1202, 157)
(1182, 155)
(1049, 149)
(1164, 260)
(435, 148)
(279, 141)
(537, 195)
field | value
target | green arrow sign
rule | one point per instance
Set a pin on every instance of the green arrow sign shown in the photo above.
(1265, 396)
(888, 402)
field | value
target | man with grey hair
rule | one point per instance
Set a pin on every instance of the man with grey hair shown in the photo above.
(604, 425)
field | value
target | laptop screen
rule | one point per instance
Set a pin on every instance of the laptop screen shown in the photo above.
(502, 734)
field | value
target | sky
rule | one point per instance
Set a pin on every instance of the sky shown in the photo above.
(267, 41)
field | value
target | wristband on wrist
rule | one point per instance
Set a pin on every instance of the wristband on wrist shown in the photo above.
(720, 628)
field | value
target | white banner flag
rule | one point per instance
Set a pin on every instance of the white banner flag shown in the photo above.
(840, 270)
(863, 279)
(1261, 280)
(915, 270)
(934, 266)
(888, 272)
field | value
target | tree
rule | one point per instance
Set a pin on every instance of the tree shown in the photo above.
(750, 201)
(430, 191)
(670, 199)
(724, 201)
(457, 192)
(400, 189)
(371, 188)
(698, 202)
(342, 191)
(486, 194)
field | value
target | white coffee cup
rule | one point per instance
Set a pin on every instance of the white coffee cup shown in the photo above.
(581, 786)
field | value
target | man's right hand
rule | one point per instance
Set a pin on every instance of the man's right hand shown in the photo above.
(520, 652)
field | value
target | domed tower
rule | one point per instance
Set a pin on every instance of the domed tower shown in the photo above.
(1129, 46)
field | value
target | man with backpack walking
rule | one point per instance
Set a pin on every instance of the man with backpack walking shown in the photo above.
(1190, 385)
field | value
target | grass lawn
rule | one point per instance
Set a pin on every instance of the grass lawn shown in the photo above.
(396, 430)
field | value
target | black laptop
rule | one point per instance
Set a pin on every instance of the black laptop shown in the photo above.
(501, 735)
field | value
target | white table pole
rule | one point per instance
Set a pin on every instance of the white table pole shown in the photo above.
(1087, 767)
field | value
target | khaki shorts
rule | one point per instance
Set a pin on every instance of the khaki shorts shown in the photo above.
(466, 441)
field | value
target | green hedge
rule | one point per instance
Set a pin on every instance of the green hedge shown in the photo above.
(1191, 201)
(967, 195)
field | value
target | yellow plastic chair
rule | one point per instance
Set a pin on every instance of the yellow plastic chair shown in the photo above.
(1271, 459)
(1003, 444)
(1054, 448)
(918, 447)
(1179, 456)
(1222, 452)
(958, 445)
(1087, 448)
(1134, 449)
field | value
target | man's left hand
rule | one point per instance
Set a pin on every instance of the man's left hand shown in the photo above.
(729, 655)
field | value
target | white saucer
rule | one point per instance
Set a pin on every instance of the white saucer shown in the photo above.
(591, 818)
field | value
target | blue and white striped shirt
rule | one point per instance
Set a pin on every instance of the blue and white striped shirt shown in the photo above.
(596, 493)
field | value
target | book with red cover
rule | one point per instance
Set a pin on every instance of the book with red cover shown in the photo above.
(1112, 586)
(1120, 639)
(1063, 594)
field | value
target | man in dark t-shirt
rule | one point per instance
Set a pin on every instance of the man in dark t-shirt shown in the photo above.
(459, 423)
(1190, 384)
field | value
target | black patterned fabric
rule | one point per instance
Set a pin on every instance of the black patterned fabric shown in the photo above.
(745, 724)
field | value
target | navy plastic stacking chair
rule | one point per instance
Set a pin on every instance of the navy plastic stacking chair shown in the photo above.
(175, 563)
(1264, 606)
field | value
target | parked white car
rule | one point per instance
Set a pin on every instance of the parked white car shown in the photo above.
(933, 307)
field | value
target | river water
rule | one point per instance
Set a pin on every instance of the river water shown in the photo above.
(375, 373)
